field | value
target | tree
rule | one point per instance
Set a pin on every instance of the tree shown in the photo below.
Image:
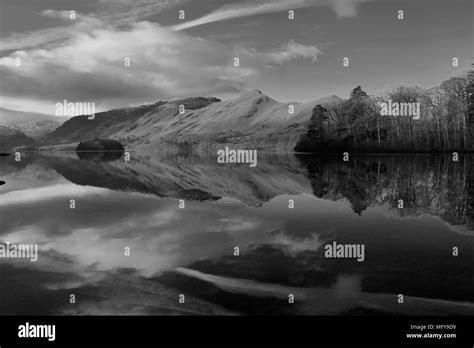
(405, 124)
(313, 140)
(357, 93)
(358, 110)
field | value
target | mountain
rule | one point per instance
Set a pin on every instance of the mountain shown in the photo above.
(121, 124)
(33, 125)
(250, 120)
(38, 130)
(11, 138)
(14, 118)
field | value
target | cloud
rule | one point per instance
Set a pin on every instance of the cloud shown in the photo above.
(343, 8)
(293, 50)
(164, 64)
(120, 12)
(91, 67)
(84, 61)
(287, 52)
(113, 13)
(50, 35)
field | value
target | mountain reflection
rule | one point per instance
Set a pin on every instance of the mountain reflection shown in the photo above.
(424, 184)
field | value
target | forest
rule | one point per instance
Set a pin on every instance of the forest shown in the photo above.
(357, 124)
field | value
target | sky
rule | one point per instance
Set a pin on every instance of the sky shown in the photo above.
(82, 59)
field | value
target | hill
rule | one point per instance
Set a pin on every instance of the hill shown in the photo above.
(33, 125)
(250, 120)
(11, 138)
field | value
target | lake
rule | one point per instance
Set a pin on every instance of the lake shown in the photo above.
(187, 235)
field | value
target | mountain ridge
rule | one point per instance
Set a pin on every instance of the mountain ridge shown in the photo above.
(33, 125)
(250, 120)
(11, 137)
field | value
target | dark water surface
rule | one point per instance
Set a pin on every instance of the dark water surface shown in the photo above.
(190, 251)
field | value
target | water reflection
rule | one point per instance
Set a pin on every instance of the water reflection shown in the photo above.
(434, 185)
(100, 156)
(136, 205)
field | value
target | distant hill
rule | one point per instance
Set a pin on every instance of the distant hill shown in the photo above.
(11, 138)
(34, 125)
(15, 118)
(38, 130)
(250, 120)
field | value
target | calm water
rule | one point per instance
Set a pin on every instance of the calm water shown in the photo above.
(190, 251)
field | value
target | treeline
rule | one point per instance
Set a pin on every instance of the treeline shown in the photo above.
(359, 125)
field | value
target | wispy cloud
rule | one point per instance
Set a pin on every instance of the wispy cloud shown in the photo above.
(49, 35)
(343, 8)
(113, 13)
(293, 50)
